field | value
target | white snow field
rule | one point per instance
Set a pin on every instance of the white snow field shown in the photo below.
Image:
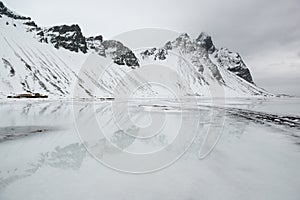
(257, 154)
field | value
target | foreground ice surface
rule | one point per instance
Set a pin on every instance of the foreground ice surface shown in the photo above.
(42, 156)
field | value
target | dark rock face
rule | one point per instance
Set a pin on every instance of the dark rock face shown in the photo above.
(68, 37)
(93, 40)
(5, 11)
(160, 53)
(148, 52)
(200, 50)
(120, 54)
(206, 42)
(185, 43)
(32, 26)
(99, 38)
(168, 46)
(234, 63)
(9, 67)
(95, 43)
(71, 38)
(2, 5)
(31, 23)
(243, 73)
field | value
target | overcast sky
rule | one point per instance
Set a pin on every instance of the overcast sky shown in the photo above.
(265, 32)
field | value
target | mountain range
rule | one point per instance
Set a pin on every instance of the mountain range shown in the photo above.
(48, 61)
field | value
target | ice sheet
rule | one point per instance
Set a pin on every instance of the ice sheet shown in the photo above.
(250, 161)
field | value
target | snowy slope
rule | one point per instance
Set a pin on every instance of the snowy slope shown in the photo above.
(49, 61)
(207, 70)
(37, 60)
(30, 66)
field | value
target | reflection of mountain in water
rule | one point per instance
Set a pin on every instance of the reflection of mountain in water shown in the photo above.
(48, 118)
(68, 157)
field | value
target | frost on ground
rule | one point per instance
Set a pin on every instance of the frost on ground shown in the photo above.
(257, 154)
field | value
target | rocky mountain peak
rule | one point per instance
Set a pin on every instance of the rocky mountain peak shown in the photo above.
(234, 63)
(184, 43)
(184, 36)
(95, 44)
(95, 38)
(28, 60)
(70, 37)
(182, 39)
(202, 47)
(5, 11)
(66, 28)
(2, 6)
(120, 54)
(67, 36)
(206, 42)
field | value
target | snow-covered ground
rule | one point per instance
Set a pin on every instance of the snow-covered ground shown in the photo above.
(254, 142)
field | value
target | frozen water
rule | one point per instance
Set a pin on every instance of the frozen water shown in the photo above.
(256, 156)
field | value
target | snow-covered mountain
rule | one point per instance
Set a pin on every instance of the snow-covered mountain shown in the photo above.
(48, 61)
(207, 67)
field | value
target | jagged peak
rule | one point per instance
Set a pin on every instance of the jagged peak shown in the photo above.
(95, 38)
(113, 44)
(203, 35)
(183, 37)
(67, 36)
(206, 42)
(226, 52)
(203, 41)
(2, 5)
(65, 28)
(233, 62)
(5, 11)
(120, 54)
(181, 41)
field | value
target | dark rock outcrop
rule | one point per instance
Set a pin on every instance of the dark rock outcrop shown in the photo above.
(234, 63)
(120, 54)
(160, 53)
(68, 37)
(95, 44)
(31, 23)
(5, 11)
(206, 42)
(71, 38)
(200, 48)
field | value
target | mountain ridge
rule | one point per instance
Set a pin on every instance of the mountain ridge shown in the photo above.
(225, 68)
